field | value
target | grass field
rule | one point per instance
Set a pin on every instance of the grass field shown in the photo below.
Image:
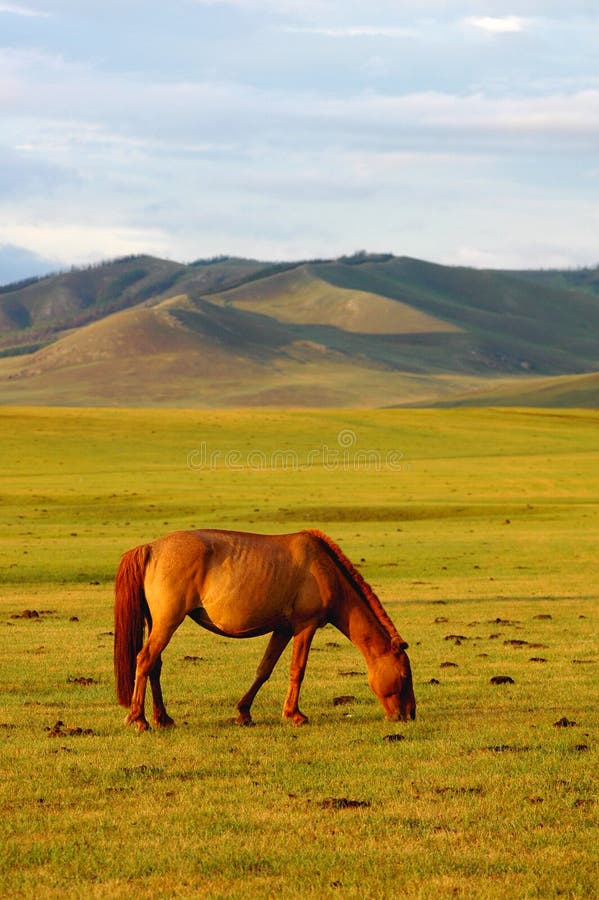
(477, 528)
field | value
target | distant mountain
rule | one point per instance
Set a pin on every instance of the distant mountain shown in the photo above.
(366, 330)
(38, 310)
(585, 279)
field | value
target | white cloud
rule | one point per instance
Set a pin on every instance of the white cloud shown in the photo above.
(16, 9)
(78, 244)
(352, 31)
(497, 24)
(473, 116)
(61, 107)
(302, 8)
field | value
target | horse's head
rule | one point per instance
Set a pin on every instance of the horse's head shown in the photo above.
(390, 678)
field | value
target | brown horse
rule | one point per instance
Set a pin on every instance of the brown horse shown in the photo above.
(243, 585)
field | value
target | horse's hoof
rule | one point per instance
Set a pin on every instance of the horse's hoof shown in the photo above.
(140, 723)
(244, 720)
(298, 719)
(164, 722)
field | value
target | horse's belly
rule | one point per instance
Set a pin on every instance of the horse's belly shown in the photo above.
(232, 626)
(243, 615)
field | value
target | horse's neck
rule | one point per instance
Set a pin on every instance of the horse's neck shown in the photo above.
(356, 620)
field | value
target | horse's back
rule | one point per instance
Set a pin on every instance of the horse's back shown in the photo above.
(238, 583)
(212, 546)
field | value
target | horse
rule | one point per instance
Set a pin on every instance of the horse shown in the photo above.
(239, 585)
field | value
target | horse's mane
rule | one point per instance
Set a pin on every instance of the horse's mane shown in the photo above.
(361, 585)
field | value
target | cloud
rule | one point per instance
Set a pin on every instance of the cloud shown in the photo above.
(74, 114)
(303, 8)
(79, 244)
(352, 31)
(497, 24)
(409, 117)
(15, 9)
(296, 127)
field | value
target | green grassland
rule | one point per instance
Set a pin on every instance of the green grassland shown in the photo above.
(477, 528)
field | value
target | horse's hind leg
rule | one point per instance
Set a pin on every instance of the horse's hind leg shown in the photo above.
(276, 645)
(149, 664)
(161, 717)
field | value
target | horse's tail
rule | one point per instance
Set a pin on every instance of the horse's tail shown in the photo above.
(130, 610)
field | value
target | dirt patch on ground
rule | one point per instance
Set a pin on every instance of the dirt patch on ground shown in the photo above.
(508, 748)
(344, 700)
(143, 769)
(344, 803)
(458, 791)
(584, 801)
(35, 614)
(59, 729)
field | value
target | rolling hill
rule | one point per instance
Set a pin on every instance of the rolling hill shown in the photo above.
(360, 331)
(576, 391)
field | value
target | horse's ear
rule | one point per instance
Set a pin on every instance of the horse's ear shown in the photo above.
(398, 645)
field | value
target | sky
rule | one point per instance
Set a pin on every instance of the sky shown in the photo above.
(464, 133)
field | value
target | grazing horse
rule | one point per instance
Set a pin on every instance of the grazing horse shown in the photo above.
(243, 585)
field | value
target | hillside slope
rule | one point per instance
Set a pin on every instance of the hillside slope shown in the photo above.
(41, 309)
(184, 352)
(300, 296)
(359, 331)
(513, 323)
(579, 391)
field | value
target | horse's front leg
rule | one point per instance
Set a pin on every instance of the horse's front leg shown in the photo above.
(299, 657)
(277, 643)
